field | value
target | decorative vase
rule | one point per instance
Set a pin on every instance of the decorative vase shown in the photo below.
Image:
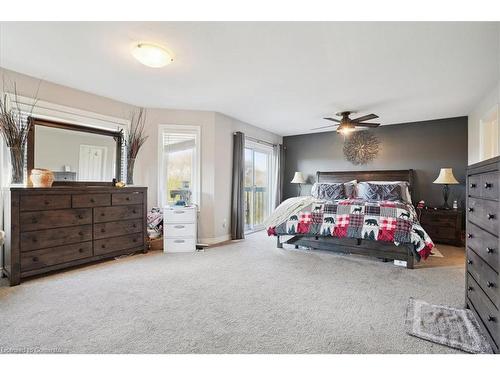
(41, 178)
(17, 163)
(130, 171)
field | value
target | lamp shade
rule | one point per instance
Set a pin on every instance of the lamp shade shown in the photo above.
(446, 177)
(298, 178)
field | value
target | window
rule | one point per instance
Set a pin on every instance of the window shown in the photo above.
(258, 158)
(179, 164)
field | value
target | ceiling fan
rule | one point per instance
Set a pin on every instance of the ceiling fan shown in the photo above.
(347, 125)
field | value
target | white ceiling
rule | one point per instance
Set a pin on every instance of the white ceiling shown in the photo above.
(283, 77)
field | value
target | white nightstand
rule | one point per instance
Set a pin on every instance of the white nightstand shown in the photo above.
(179, 229)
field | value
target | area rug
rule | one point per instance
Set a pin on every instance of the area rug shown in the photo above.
(456, 328)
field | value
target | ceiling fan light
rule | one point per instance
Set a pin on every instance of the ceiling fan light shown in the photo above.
(152, 55)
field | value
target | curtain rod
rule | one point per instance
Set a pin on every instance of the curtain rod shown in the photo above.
(258, 140)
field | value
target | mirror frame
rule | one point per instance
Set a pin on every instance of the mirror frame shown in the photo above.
(116, 135)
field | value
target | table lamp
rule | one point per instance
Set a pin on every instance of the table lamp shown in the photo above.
(298, 178)
(446, 178)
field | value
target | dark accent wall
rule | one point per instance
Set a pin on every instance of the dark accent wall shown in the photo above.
(423, 146)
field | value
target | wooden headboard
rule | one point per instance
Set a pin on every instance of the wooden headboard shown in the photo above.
(388, 175)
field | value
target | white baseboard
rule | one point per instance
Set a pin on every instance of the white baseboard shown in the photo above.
(214, 240)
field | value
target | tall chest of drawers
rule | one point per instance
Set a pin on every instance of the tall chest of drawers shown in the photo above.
(483, 246)
(55, 228)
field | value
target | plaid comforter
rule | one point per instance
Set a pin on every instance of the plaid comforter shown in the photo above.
(387, 221)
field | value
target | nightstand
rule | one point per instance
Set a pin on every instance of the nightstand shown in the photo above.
(443, 226)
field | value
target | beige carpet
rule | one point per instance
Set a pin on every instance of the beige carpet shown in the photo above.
(243, 297)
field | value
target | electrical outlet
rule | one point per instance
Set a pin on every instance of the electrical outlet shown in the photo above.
(401, 263)
(224, 223)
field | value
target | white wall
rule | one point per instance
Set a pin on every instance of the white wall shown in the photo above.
(481, 111)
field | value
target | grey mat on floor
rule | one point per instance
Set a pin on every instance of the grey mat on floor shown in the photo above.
(457, 328)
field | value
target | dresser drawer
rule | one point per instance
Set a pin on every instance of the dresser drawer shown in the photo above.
(179, 215)
(36, 220)
(117, 228)
(180, 230)
(438, 218)
(55, 255)
(110, 245)
(179, 245)
(484, 244)
(44, 202)
(474, 187)
(445, 233)
(484, 275)
(116, 213)
(489, 185)
(484, 308)
(91, 200)
(484, 213)
(55, 237)
(119, 199)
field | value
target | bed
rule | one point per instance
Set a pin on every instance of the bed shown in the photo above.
(321, 224)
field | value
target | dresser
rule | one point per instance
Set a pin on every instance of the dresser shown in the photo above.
(443, 226)
(54, 228)
(179, 229)
(483, 246)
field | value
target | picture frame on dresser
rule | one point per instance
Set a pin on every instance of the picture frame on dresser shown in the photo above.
(482, 292)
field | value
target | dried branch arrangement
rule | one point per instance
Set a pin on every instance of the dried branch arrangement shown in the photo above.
(136, 136)
(14, 126)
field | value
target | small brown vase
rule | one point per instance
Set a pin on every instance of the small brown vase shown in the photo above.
(41, 177)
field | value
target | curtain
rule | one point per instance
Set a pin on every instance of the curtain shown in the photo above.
(238, 185)
(278, 174)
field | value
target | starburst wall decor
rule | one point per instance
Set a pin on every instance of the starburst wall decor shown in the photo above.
(361, 147)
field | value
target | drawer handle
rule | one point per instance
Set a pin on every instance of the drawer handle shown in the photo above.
(92, 200)
(127, 199)
(35, 240)
(103, 214)
(80, 233)
(34, 220)
(103, 230)
(489, 250)
(134, 225)
(35, 259)
(470, 289)
(179, 226)
(487, 185)
(491, 216)
(103, 246)
(491, 318)
(179, 241)
(80, 216)
(489, 284)
(470, 209)
(469, 235)
(469, 261)
(179, 212)
(46, 202)
(80, 250)
(472, 186)
(134, 240)
(134, 211)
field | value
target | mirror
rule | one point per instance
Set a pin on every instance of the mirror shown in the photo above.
(75, 153)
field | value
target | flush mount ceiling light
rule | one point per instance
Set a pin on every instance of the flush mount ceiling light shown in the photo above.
(152, 55)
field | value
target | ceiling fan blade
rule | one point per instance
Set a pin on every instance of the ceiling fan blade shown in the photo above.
(371, 116)
(367, 124)
(323, 127)
(331, 119)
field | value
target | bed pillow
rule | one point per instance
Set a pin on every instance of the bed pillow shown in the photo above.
(405, 188)
(328, 191)
(351, 189)
(380, 192)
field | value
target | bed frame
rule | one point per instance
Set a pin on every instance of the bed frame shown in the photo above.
(383, 250)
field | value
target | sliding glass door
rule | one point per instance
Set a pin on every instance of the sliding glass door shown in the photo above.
(257, 185)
